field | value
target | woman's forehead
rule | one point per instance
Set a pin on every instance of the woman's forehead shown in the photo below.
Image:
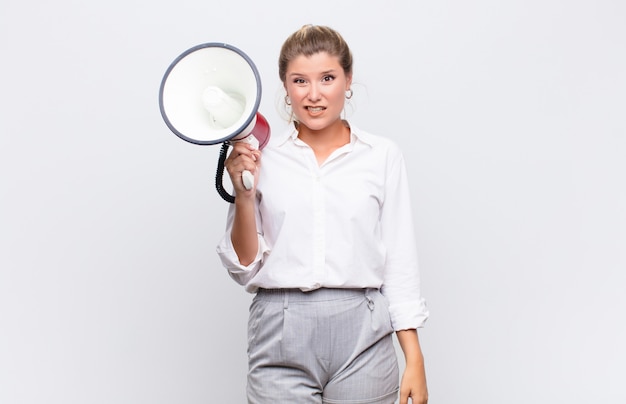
(317, 62)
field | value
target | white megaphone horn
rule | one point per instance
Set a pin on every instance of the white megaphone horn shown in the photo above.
(210, 94)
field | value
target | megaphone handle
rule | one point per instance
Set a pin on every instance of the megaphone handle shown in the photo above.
(248, 179)
(246, 176)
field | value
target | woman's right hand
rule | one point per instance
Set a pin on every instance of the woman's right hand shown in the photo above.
(243, 157)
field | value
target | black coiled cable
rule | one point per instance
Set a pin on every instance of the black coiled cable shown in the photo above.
(219, 176)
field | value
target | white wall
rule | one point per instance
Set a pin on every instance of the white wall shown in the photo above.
(512, 118)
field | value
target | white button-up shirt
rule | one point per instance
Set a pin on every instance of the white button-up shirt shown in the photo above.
(344, 224)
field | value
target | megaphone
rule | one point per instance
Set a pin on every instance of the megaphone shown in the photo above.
(210, 94)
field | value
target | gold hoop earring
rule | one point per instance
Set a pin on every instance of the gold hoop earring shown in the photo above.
(349, 94)
(287, 100)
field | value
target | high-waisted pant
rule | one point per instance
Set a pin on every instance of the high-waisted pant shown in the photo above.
(330, 346)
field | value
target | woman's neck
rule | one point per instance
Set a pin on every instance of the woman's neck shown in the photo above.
(327, 140)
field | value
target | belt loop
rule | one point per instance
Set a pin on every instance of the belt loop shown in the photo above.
(285, 299)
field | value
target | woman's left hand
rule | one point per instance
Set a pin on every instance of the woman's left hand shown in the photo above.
(413, 385)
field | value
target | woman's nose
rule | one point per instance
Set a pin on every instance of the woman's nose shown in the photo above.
(314, 93)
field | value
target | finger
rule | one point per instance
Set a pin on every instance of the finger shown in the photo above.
(256, 154)
(253, 155)
(240, 154)
(243, 147)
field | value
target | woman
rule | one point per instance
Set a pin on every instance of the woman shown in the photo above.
(325, 240)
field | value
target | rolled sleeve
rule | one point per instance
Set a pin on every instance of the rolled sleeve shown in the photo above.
(242, 274)
(402, 284)
(408, 315)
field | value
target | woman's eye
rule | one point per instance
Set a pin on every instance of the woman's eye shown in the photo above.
(328, 78)
(298, 81)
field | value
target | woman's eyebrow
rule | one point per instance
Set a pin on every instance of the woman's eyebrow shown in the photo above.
(320, 73)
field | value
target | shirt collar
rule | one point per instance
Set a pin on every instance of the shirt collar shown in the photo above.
(355, 135)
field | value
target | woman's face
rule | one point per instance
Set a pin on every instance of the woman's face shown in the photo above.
(316, 85)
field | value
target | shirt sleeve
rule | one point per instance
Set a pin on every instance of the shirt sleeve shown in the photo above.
(242, 274)
(401, 283)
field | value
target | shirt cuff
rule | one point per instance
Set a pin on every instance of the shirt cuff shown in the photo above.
(240, 273)
(408, 315)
